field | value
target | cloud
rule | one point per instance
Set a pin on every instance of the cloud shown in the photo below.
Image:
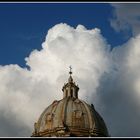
(126, 17)
(25, 93)
(119, 90)
(108, 79)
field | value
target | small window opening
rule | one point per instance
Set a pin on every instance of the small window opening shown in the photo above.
(71, 92)
(66, 92)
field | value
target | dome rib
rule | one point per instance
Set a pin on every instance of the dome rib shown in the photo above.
(63, 111)
(91, 122)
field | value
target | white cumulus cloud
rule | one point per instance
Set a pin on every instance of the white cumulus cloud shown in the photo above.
(108, 79)
(119, 90)
(25, 93)
(126, 17)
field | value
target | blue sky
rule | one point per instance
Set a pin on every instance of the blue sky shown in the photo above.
(23, 26)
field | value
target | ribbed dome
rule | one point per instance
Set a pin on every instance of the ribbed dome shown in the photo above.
(70, 117)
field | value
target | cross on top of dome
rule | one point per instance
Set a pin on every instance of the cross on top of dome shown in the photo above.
(70, 80)
(70, 70)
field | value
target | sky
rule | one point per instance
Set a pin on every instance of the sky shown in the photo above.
(38, 43)
(27, 24)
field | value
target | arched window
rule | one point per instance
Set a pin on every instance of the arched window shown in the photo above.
(71, 93)
(49, 120)
(76, 95)
(79, 118)
(66, 93)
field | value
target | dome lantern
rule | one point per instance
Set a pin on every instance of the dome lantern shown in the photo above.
(70, 89)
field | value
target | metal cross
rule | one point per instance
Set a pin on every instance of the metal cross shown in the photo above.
(70, 70)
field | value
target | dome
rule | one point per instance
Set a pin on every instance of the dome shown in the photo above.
(70, 116)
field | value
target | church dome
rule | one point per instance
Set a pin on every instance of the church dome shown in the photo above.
(70, 117)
